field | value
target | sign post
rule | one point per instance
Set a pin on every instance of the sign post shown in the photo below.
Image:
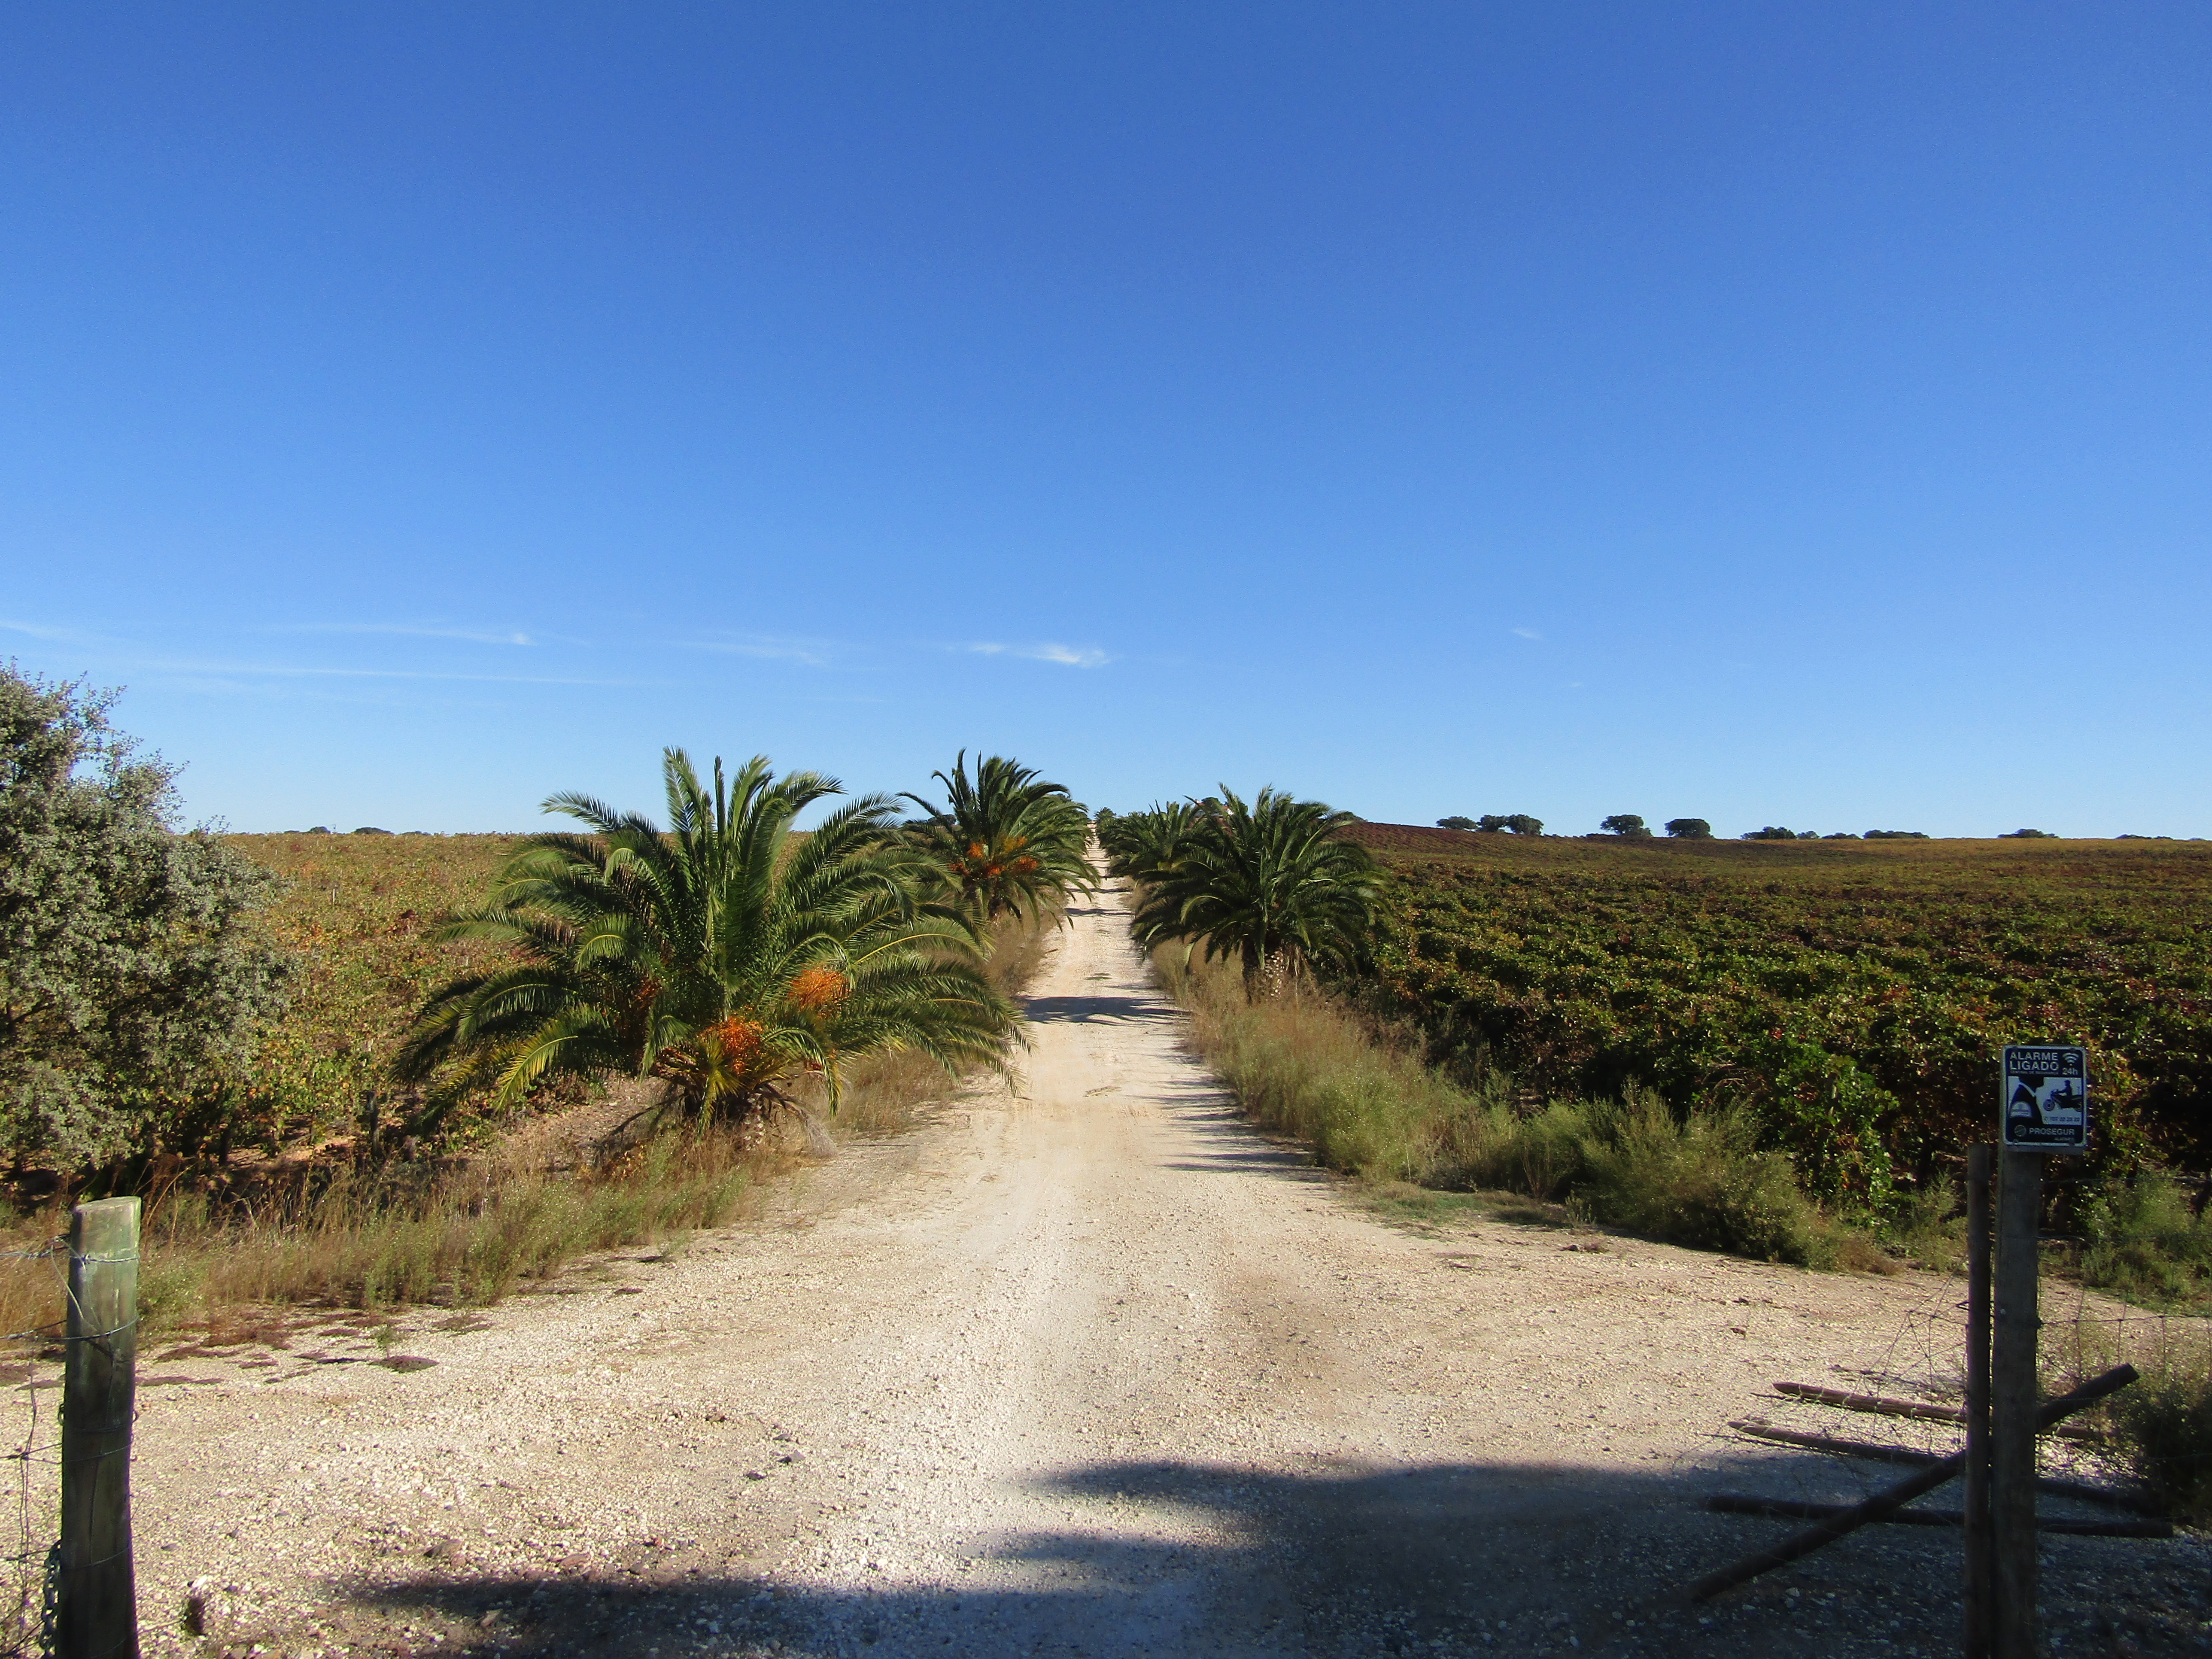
(2044, 1109)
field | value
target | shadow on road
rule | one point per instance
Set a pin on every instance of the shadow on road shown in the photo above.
(1229, 1144)
(1436, 1559)
(1052, 1010)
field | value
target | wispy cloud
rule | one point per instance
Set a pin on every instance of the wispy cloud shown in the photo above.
(1527, 634)
(292, 671)
(53, 633)
(1071, 656)
(814, 654)
(424, 631)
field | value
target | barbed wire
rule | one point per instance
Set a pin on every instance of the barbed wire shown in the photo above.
(1819, 1441)
(30, 1572)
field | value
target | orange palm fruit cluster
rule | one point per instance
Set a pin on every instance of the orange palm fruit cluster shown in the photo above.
(818, 990)
(740, 1040)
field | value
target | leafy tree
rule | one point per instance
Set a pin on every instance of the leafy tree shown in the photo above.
(1897, 835)
(1522, 824)
(1457, 823)
(132, 979)
(1006, 839)
(1689, 828)
(725, 956)
(1625, 824)
(2027, 835)
(1771, 832)
(1273, 883)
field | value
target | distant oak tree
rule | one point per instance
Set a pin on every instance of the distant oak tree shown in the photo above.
(1689, 828)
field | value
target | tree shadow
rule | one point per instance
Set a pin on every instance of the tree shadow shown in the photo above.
(1048, 1011)
(1229, 1142)
(1343, 1561)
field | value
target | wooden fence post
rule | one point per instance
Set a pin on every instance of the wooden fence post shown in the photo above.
(2012, 1404)
(98, 1604)
(1980, 1587)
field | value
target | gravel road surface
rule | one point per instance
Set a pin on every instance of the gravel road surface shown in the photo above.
(1083, 1367)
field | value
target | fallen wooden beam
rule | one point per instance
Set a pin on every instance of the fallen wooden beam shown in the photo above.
(1788, 1508)
(1827, 1443)
(2112, 1497)
(1882, 1406)
(1873, 1402)
(1882, 1505)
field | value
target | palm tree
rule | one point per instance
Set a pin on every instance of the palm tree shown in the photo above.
(725, 956)
(1006, 839)
(1276, 884)
(1145, 845)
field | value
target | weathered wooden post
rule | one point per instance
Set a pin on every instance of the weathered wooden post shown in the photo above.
(2012, 1404)
(98, 1604)
(2042, 1093)
(1979, 1586)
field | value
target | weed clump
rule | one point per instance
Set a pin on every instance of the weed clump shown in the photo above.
(1698, 1181)
(2162, 1427)
(2141, 1239)
(1369, 1106)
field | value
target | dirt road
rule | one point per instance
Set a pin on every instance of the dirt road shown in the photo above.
(1085, 1369)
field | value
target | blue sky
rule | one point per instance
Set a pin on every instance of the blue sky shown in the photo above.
(1769, 413)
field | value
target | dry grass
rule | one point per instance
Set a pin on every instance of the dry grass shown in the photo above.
(470, 1232)
(886, 1094)
(1307, 1066)
(371, 1240)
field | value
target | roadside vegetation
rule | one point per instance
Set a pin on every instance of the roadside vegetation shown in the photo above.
(374, 1069)
(1274, 885)
(1309, 1066)
(1779, 1051)
(722, 957)
(2163, 1428)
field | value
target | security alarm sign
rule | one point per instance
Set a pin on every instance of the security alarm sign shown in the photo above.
(2046, 1098)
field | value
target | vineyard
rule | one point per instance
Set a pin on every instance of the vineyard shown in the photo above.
(1853, 995)
(357, 910)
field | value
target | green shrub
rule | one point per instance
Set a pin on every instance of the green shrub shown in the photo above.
(1699, 1180)
(1370, 1107)
(2141, 1240)
(1926, 1223)
(2162, 1427)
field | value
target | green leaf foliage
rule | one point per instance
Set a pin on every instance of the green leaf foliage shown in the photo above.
(1006, 842)
(1852, 996)
(133, 981)
(725, 955)
(1274, 883)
